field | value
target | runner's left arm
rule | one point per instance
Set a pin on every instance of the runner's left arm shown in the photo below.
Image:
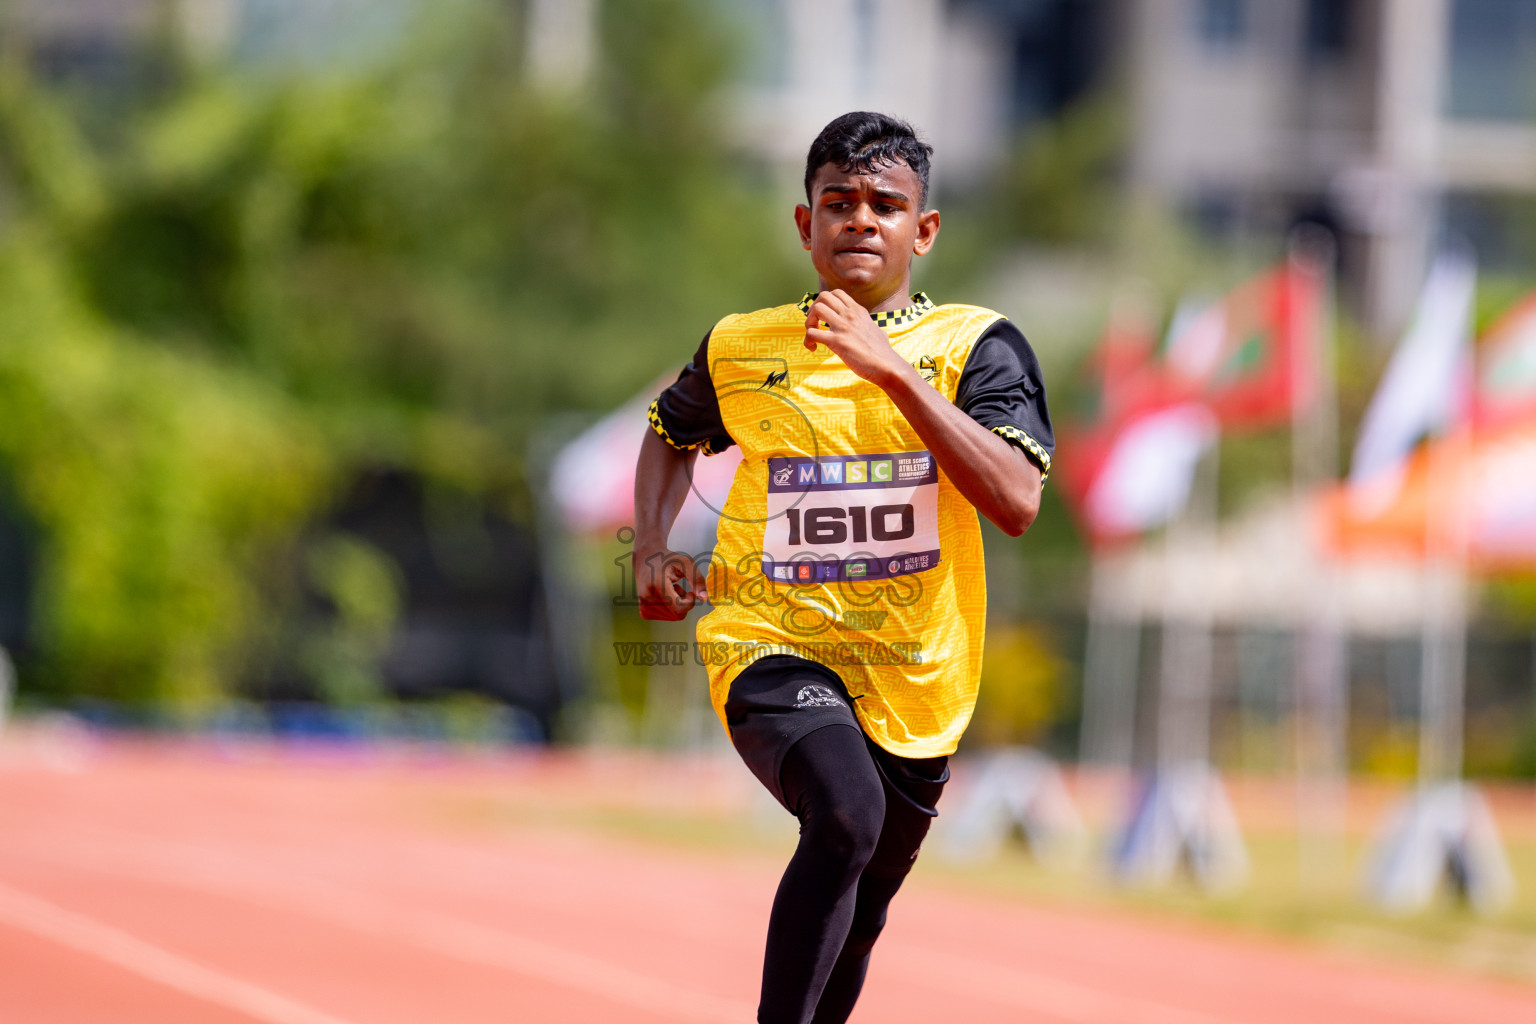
(995, 473)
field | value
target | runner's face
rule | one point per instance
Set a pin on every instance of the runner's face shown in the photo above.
(862, 230)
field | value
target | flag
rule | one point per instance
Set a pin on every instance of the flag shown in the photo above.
(1129, 378)
(1247, 359)
(1506, 378)
(1251, 355)
(1137, 474)
(592, 477)
(1421, 391)
(1494, 509)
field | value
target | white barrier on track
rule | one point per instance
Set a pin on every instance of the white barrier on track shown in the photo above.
(1182, 818)
(1015, 789)
(1441, 834)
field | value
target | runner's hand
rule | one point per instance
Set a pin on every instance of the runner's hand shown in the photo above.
(669, 584)
(852, 336)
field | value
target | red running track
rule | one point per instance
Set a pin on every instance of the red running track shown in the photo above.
(162, 884)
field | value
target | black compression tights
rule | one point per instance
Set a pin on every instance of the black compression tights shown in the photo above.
(829, 909)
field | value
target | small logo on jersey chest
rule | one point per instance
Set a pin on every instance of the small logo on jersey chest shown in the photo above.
(775, 380)
(928, 367)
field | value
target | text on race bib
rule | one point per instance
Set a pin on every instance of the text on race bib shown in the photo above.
(851, 517)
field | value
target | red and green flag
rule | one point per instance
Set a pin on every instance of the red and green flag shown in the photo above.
(1251, 357)
(1245, 362)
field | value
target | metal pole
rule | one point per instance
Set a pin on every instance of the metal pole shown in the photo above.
(1184, 689)
(1320, 683)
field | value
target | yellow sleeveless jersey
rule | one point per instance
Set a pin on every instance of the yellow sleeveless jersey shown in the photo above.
(842, 541)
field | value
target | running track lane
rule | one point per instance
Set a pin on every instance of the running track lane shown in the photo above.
(168, 885)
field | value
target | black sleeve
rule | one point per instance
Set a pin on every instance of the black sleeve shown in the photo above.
(1002, 388)
(687, 414)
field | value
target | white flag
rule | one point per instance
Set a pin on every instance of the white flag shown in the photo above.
(1146, 479)
(1419, 393)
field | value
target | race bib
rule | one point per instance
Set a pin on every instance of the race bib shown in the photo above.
(851, 517)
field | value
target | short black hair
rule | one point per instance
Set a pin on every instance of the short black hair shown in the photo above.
(863, 142)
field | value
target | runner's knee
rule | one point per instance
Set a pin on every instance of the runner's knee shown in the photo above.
(837, 794)
(848, 831)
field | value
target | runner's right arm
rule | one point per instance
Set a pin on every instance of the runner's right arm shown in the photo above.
(668, 581)
(684, 419)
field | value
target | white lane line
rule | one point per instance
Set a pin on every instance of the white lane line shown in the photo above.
(1041, 993)
(67, 928)
(233, 876)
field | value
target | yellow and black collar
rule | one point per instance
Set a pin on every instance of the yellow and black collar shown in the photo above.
(921, 306)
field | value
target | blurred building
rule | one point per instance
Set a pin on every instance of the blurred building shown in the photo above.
(1395, 122)
(966, 72)
(104, 39)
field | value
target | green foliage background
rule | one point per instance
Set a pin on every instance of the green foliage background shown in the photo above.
(226, 290)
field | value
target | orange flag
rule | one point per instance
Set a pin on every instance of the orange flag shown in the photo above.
(1480, 485)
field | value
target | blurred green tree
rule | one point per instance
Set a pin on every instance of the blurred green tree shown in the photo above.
(251, 284)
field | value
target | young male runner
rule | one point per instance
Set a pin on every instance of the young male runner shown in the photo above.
(844, 647)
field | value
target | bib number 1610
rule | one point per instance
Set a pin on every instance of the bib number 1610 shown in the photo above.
(833, 525)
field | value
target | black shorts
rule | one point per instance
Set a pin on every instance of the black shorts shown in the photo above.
(777, 700)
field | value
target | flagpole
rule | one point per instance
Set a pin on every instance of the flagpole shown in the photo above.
(1445, 830)
(1184, 813)
(1111, 658)
(1184, 685)
(1444, 636)
(1320, 685)
(1093, 741)
(1110, 661)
